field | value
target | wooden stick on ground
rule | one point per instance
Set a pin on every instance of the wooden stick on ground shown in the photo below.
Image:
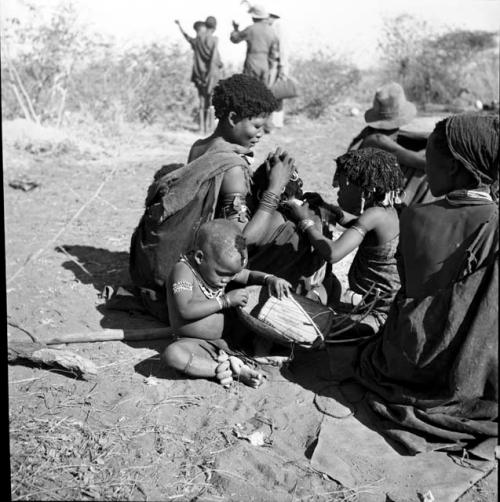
(108, 335)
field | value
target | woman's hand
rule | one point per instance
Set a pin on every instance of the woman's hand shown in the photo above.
(278, 287)
(382, 141)
(281, 168)
(237, 297)
(298, 213)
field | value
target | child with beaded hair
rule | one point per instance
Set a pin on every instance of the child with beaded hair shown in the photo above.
(373, 275)
(198, 304)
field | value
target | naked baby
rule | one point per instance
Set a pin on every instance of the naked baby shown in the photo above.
(198, 304)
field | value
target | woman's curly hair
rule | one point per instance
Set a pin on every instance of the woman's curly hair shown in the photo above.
(244, 95)
(372, 169)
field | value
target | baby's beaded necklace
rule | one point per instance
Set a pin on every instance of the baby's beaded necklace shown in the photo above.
(205, 288)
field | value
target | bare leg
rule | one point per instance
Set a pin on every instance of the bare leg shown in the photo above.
(203, 113)
(189, 356)
(350, 297)
(209, 113)
(318, 294)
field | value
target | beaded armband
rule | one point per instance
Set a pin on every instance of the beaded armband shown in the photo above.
(179, 286)
(359, 228)
(233, 204)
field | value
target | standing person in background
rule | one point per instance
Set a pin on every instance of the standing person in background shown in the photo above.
(262, 45)
(215, 70)
(206, 64)
(279, 69)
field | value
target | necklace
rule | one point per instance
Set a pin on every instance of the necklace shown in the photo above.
(458, 195)
(208, 291)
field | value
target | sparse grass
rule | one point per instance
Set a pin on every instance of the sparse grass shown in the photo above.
(59, 457)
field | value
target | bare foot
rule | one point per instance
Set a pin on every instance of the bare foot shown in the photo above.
(245, 374)
(223, 371)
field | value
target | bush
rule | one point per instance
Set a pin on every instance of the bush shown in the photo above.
(323, 80)
(59, 66)
(440, 67)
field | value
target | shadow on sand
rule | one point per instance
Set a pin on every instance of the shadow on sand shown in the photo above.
(107, 271)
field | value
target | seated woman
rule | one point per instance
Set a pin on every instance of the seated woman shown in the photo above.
(216, 183)
(433, 372)
(391, 111)
(373, 276)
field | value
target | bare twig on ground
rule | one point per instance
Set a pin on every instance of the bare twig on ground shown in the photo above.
(74, 260)
(31, 335)
(72, 219)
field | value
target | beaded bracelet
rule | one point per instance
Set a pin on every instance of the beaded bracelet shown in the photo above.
(305, 224)
(219, 301)
(223, 302)
(226, 301)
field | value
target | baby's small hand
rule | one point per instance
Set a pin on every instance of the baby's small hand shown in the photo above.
(237, 297)
(278, 287)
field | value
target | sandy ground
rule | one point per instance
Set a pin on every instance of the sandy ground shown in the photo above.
(139, 431)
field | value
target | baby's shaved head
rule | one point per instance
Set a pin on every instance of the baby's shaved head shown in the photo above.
(221, 238)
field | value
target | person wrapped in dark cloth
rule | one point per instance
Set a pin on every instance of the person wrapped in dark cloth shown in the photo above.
(433, 373)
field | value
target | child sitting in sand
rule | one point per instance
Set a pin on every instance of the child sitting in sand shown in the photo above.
(198, 302)
(373, 275)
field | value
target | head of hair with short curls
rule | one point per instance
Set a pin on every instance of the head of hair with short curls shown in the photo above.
(246, 96)
(372, 169)
(221, 238)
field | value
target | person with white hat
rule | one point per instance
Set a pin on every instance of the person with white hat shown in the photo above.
(262, 44)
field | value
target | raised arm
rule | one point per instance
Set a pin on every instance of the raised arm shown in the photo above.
(235, 182)
(184, 34)
(237, 36)
(330, 213)
(405, 157)
(335, 250)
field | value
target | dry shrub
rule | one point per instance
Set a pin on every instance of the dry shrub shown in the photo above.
(323, 80)
(56, 65)
(440, 67)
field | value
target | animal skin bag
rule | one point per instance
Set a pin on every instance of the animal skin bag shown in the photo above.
(284, 88)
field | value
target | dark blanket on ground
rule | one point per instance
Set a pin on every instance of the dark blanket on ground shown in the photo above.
(434, 371)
